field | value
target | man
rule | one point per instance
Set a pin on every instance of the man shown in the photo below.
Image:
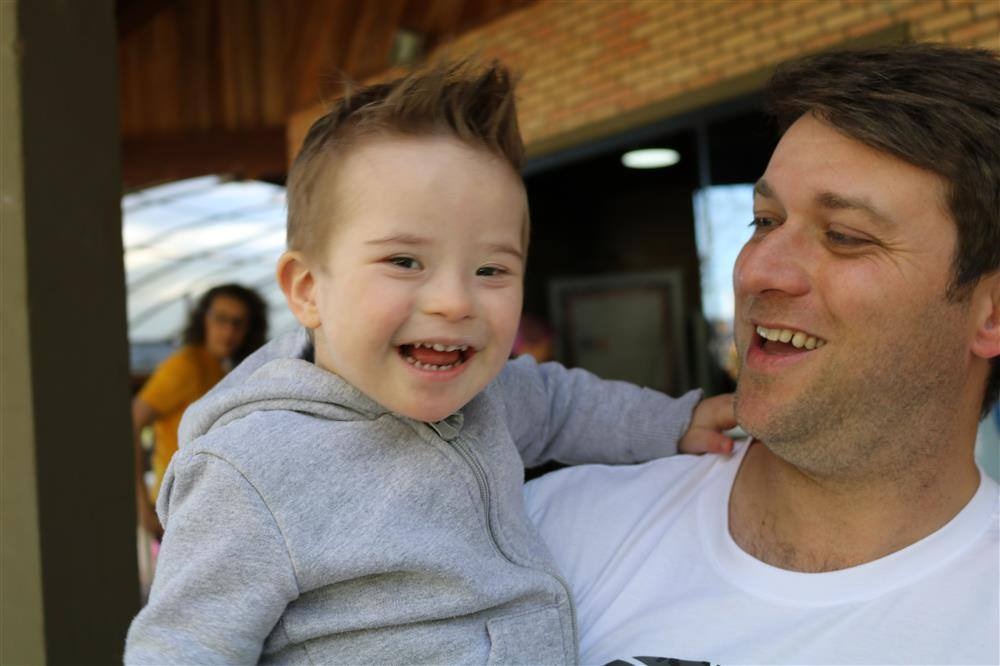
(854, 527)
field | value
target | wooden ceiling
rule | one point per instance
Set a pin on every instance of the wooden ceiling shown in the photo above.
(206, 86)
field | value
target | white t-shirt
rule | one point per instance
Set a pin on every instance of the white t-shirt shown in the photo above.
(657, 576)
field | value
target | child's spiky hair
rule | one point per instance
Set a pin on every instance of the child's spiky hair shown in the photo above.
(461, 99)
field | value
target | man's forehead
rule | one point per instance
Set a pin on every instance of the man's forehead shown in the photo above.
(820, 165)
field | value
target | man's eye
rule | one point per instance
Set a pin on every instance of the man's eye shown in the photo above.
(761, 223)
(490, 271)
(404, 262)
(838, 238)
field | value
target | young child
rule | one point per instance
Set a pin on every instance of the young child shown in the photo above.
(353, 494)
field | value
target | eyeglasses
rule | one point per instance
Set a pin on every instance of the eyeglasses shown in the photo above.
(222, 319)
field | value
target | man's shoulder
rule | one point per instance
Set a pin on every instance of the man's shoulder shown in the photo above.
(599, 479)
(590, 516)
(611, 493)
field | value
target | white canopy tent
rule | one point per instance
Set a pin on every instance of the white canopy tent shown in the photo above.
(185, 237)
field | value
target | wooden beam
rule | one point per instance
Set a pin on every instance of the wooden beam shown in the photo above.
(322, 32)
(130, 15)
(159, 158)
(372, 37)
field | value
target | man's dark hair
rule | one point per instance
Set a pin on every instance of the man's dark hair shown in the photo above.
(472, 103)
(936, 107)
(256, 335)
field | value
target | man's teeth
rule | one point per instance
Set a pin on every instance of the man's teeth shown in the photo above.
(437, 346)
(797, 339)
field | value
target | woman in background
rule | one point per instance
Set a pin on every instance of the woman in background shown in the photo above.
(227, 325)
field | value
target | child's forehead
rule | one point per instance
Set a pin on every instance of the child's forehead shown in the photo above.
(383, 167)
(409, 178)
(394, 151)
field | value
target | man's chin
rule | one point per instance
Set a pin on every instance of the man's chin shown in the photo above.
(759, 418)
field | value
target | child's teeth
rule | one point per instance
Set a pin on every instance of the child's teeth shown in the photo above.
(437, 346)
(430, 366)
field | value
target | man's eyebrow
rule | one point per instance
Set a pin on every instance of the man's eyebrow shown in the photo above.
(835, 201)
(831, 201)
(762, 188)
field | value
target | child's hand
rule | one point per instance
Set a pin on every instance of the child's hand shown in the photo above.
(710, 418)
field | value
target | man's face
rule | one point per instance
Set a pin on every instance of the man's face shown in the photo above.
(419, 294)
(849, 263)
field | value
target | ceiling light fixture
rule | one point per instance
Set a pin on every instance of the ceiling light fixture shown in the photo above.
(651, 158)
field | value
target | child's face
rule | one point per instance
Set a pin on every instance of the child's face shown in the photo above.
(419, 293)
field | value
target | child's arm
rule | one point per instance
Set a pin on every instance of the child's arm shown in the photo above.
(223, 577)
(573, 416)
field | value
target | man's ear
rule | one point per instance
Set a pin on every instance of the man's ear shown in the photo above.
(986, 308)
(299, 286)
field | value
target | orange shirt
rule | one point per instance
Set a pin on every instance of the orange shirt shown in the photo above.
(181, 379)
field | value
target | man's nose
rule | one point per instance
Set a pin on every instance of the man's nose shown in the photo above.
(778, 261)
(448, 295)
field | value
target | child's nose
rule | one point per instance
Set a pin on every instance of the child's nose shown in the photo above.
(449, 297)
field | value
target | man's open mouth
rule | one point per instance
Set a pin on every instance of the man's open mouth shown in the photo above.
(787, 340)
(435, 356)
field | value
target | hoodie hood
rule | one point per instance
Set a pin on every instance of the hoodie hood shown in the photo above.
(280, 375)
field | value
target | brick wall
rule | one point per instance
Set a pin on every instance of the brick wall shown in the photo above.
(591, 68)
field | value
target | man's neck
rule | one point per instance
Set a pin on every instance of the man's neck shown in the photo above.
(805, 522)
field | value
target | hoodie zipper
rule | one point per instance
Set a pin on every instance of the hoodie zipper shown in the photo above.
(484, 493)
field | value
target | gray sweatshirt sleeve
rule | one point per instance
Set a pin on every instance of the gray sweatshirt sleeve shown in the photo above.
(223, 577)
(573, 416)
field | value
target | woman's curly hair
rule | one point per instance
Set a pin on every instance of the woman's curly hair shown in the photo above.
(256, 335)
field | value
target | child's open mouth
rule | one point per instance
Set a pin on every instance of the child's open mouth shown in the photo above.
(435, 356)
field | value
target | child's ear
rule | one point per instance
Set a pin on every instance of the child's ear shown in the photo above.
(299, 285)
(986, 306)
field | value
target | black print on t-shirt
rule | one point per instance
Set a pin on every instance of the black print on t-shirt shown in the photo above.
(660, 661)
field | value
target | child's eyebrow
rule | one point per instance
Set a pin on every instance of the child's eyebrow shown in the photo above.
(410, 239)
(503, 248)
(402, 239)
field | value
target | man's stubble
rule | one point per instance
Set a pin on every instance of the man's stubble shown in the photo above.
(875, 416)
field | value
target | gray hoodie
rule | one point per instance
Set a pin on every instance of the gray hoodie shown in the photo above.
(306, 523)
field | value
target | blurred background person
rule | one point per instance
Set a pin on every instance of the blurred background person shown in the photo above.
(228, 323)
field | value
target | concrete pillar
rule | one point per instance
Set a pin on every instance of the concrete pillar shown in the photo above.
(68, 548)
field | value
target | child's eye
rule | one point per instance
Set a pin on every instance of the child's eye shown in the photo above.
(490, 271)
(404, 262)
